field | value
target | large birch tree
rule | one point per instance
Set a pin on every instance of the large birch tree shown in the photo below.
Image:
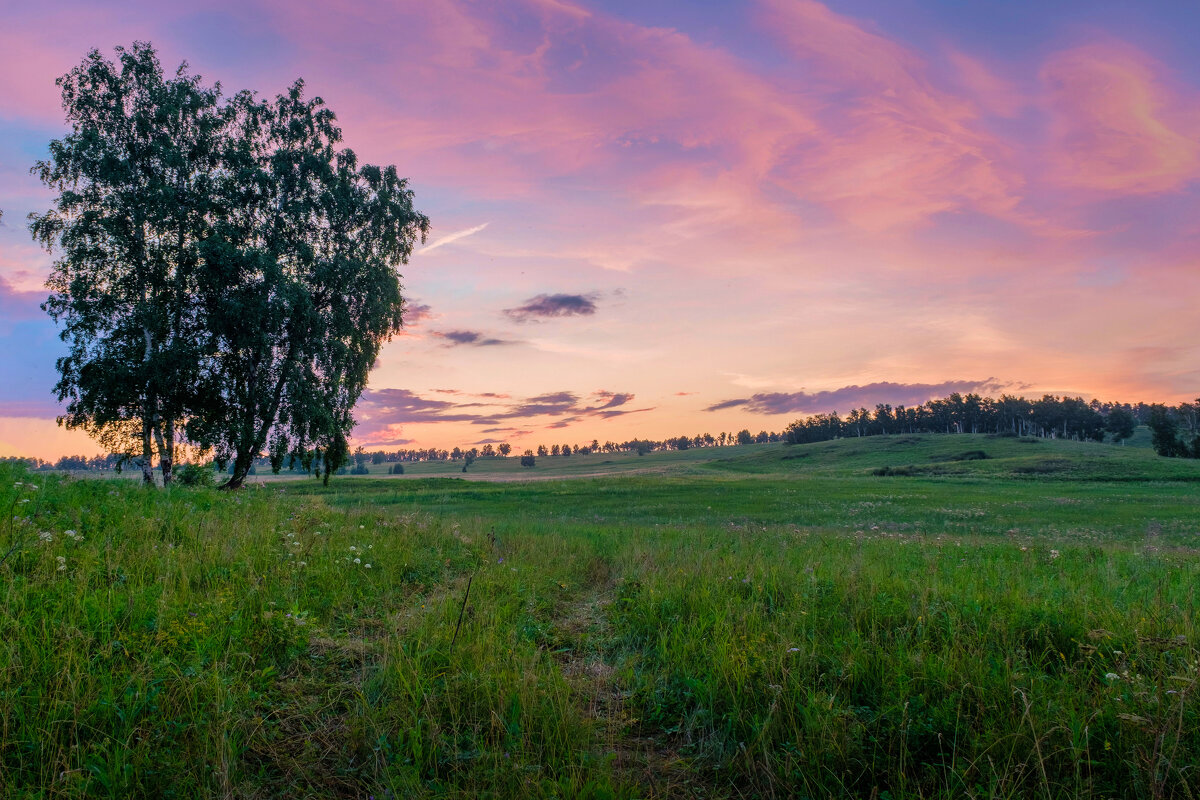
(133, 178)
(226, 274)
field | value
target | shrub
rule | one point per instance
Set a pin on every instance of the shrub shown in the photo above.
(194, 475)
(360, 469)
(396, 469)
(528, 460)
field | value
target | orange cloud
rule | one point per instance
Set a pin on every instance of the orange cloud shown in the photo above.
(1119, 125)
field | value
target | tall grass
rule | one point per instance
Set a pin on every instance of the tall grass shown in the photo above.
(741, 637)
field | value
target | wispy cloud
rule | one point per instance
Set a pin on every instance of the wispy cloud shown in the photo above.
(452, 237)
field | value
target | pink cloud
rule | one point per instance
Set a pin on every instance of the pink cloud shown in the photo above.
(895, 148)
(1120, 125)
(993, 93)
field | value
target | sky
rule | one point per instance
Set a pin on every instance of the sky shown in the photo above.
(678, 217)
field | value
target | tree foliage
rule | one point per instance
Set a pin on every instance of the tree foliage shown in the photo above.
(226, 272)
(133, 179)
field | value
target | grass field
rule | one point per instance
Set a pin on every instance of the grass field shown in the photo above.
(905, 616)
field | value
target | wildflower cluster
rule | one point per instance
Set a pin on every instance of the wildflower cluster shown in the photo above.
(357, 554)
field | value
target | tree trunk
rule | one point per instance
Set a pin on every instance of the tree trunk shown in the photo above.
(147, 453)
(165, 436)
(148, 414)
(241, 468)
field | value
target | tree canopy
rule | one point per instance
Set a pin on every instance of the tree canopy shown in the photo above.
(226, 274)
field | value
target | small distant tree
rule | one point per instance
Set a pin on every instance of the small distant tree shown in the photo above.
(468, 459)
(1120, 424)
(504, 449)
(745, 437)
(527, 459)
(566, 449)
(555, 450)
(541, 450)
(1164, 432)
(378, 457)
(488, 451)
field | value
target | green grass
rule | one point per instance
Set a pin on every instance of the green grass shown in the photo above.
(761, 621)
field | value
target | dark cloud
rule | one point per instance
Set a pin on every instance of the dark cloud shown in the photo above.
(847, 397)
(553, 405)
(392, 406)
(471, 338)
(380, 409)
(416, 313)
(547, 306)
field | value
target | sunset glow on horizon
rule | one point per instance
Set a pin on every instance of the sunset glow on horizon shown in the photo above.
(701, 217)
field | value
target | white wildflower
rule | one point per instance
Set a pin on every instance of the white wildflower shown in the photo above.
(1112, 676)
(62, 563)
(46, 536)
(368, 566)
(1054, 554)
(358, 561)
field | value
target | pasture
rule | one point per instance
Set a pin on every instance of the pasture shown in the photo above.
(890, 617)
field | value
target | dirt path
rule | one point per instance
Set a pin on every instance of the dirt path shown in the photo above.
(588, 667)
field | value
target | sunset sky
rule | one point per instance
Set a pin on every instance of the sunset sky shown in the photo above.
(676, 217)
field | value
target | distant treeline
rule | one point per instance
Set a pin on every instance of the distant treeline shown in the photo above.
(98, 463)
(639, 446)
(1050, 417)
(1175, 431)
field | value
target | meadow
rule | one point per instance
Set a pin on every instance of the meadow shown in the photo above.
(891, 617)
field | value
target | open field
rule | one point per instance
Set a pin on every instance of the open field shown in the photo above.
(905, 616)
